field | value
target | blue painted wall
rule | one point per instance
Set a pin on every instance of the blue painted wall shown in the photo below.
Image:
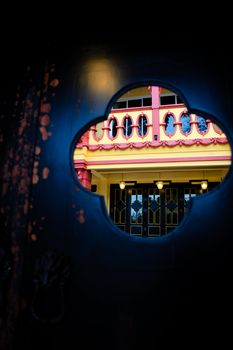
(124, 292)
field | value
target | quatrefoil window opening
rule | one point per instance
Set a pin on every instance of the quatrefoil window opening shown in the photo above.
(150, 158)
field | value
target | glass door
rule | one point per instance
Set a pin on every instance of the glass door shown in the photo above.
(144, 210)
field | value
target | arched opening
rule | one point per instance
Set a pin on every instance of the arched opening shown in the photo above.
(142, 125)
(112, 128)
(202, 124)
(127, 126)
(169, 124)
(150, 171)
(185, 123)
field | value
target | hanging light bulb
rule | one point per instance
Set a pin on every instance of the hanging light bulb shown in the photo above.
(204, 185)
(159, 185)
(122, 185)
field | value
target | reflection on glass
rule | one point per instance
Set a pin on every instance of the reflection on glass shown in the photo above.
(133, 212)
(154, 207)
(136, 206)
(171, 206)
(120, 206)
(127, 127)
(185, 120)
(202, 125)
(170, 127)
(189, 193)
(142, 126)
(113, 128)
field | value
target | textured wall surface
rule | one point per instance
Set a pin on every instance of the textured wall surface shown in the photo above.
(67, 274)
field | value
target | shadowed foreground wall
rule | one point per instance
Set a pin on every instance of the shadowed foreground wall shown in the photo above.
(68, 276)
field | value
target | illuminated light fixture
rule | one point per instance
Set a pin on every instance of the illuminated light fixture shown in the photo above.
(159, 185)
(122, 185)
(204, 185)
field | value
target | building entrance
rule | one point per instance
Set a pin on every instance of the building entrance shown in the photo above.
(145, 210)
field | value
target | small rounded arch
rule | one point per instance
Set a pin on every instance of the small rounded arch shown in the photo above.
(112, 128)
(202, 125)
(169, 121)
(127, 126)
(142, 125)
(185, 120)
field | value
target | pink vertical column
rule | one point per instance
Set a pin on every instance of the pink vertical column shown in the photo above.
(84, 177)
(84, 140)
(155, 96)
(106, 128)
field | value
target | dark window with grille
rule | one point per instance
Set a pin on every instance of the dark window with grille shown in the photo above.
(113, 128)
(127, 126)
(142, 126)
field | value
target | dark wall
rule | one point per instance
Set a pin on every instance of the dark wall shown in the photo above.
(74, 277)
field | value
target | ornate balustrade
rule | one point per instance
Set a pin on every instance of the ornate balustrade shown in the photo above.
(143, 127)
(150, 138)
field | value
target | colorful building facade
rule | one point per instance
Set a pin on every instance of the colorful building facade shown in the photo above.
(149, 158)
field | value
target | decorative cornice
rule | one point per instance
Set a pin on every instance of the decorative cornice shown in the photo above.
(154, 160)
(155, 144)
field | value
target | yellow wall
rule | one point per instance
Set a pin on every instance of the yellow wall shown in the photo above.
(151, 153)
(140, 91)
(143, 91)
